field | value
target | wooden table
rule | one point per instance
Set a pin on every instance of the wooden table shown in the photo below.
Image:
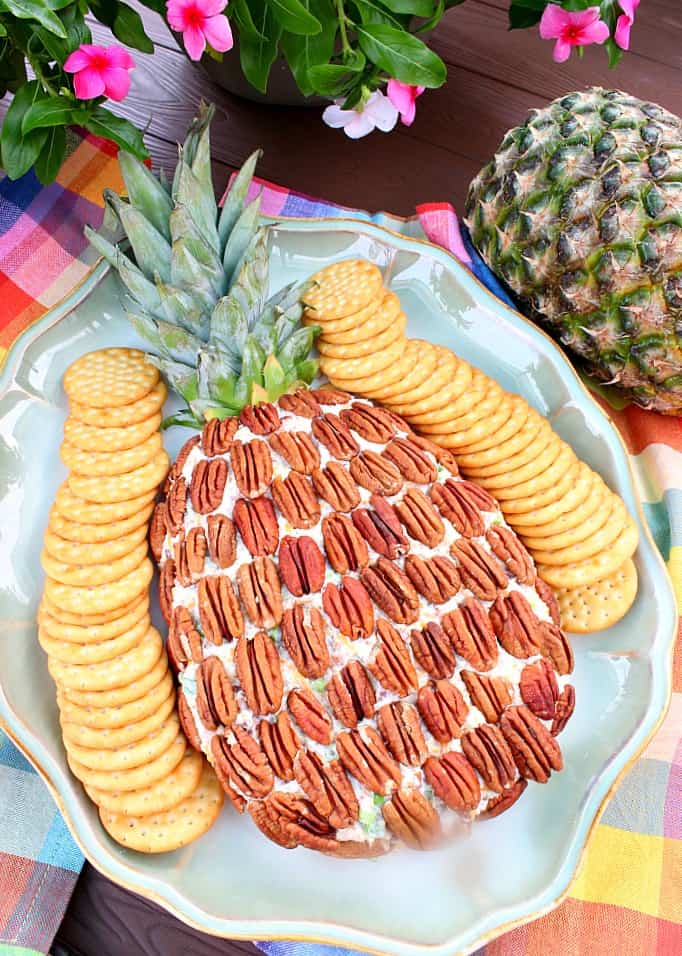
(494, 77)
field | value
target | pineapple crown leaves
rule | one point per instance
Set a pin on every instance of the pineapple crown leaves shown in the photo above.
(196, 281)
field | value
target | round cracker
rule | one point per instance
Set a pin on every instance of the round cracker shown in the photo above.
(421, 360)
(525, 508)
(123, 415)
(72, 653)
(92, 575)
(545, 450)
(112, 738)
(158, 797)
(110, 377)
(120, 671)
(615, 520)
(74, 531)
(118, 696)
(95, 619)
(375, 343)
(573, 525)
(386, 376)
(93, 633)
(132, 755)
(137, 777)
(105, 463)
(482, 399)
(81, 552)
(100, 598)
(599, 605)
(520, 447)
(349, 322)
(407, 402)
(542, 481)
(595, 568)
(172, 829)
(71, 507)
(342, 288)
(364, 367)
(486, 424)
(95, 438)
(367, 323)
(116, 488)
(450, 395)
(570, 492)
(130, 713)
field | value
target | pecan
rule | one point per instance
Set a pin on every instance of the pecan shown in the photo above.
(345, 547)
(261, 419)
(280, 743)
(392, 591)
(184, 640)
(555, 645)
(410, 816)
(216, 704)
(291, 820)
(330, 396)
(535, 750)
(459, 503)
(310, 715)
(391, 664)
(370, 422)
(270, 823)
(399, 725)
(295, 498)
(442, 455)
(364, 755)
(336, 436)
(380, 528)
(207, 485)
(518, 629)
(219, 611)
(503, 801)
(166, 582)
(304, 637)
(433, 651)
(442, 709)
(297, 449)
(487, 750)
(176, 504)
(471, 634)
(328, 788)
(190, 556)
(419, 517)
(454, 781)
(301, 565)
(489, 694)
(241, 764)
(252, 467)
(564, 709)
(222, 540)
(349, 608)
(350, 694)
(302, 402)
(157, 530)
(182, 456)
(218, 435)
(539, 689)
(187, 722)
(548, 596)
(261, 592)
(507, 547)
(372, 471)
(411, 462)
(436, 578)
(480, 572)
(257, 524)
(259, 672)
(336, 487)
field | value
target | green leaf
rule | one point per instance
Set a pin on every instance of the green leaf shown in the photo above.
(229, 326)
(253, 360)
(234, 201)
(182, 419)
(434, 19)
(305, 51)
(36, 10)
(158, 6)
(129, 29)
(19, 151)
(371, 12)
(293, 15)
(274, 379)
(104, 123)
(614, 52)
(240, 14)
(416, 8)
(146, 192)
(334, 79)
(3, 30)
(152, 250)
(257, 53)
(296, 348)
(199, 199)
(51, 155)
(307, 370)
(77, 31)
(402, 55)
(525, 13)
(181, 308)
(243, 232)
(55, 111)
(181, 378)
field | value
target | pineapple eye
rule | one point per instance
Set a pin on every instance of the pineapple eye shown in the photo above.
(659, 164)
(650, 133)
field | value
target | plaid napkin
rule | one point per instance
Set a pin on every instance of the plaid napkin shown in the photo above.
(627, 898)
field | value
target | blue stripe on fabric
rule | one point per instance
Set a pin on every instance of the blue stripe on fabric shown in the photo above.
(59, 848)
(481, 270)
(638, 803)
(11, 757)
(657, 518)
(285, 948)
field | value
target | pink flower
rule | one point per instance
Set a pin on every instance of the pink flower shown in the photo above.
(100, 71)
(200, 22)
(377, 113)
(403, 96)
(624, 22)
(571, 29)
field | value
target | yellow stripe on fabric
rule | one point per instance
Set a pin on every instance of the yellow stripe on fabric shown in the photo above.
(671, 883)
(623, 869)
(675, 571)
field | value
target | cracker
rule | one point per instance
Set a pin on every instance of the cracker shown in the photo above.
(375, 343)
(547, 506)
(408, 401)
(92, 575)
(93, 633)
(541, 482)
(117, 488)
(105, 463)
(110, 377)
(112, 738)
(81, 552)
(120, 671)
(71, 507)
(369, 322)
(118, 696)
(95, 619)
(615, 519)
(482, 399)
(130, 713)
(573, 525)
(342, 288)
(95, 438)
(595, 568)
(543, 453)
(599, 605)
(364, 367)
(421, 359)
(451, 394)
(72, 653)
(386, 376)
(135, 778)
(158, 797)
(519, 447)
(172, 829)
(132, 755)
(124, 415)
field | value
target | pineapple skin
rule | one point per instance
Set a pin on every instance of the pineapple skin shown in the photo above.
(580, 214)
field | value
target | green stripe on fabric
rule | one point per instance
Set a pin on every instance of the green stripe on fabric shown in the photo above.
(658, 519)
(6, 949)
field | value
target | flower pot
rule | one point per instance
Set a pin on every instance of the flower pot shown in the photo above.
(282, 89)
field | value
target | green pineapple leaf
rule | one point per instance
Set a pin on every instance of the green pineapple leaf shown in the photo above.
(253, 360)
(181, 378)
(274, 379)
(188, 273)
(296, 348)
(229, 325)
(240, 238)
(146, 327)
(146, 192)
(200, 199)
(184, 419)
(139, 286)
(177, 343)
(216, 381)
(265, 334)
(151, 250)
(307, 370)
(234, 201)
(251, 283)
(179, 308)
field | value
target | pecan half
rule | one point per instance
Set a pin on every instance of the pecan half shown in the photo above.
(166, 582)
(479, 571)
(222, 540)
(295, 498)
(442, 455)
(310, 715)
(503, 801)
(261, 592)
(207, 485)
(436, 579)
(539, 689)
(181, 458)
(345, 547)
(252, 467)
(301, 565)
(291, 820)
(190, 556)
(380, 528)
(516, 625)
(330, 396)
(535, 750)
(257, 524)
(336, 436)
(376, 473)
(219, 611)
(302, 402)
(454, 780)
(419, 517)
(304, 637)
(392, 591)
(564, 709)
(241, 764)
(218, 435)
(187, 722)
(489, 694)
(280, 743)
(370, 422)
(364, 755)
(259, 672)
(459, 502)
(555, 645)
(176, 505)
(336, 487)
(411, 461)
(328, 788)
(507, 547)
(216, 704)
(261, 419)
(410, 816)
(350, 694)
(471, 634)
(157, 530)
(548, 596)
(349, 608)
(442, 709)
(391, 663)
(297, 449)
(433, 651)
(487, 750)
(399, 725)
(184, 640)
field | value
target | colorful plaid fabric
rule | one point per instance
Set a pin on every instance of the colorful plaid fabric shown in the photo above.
(628, 897)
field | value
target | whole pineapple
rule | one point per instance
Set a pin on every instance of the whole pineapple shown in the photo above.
(580, 213)
(198, 285)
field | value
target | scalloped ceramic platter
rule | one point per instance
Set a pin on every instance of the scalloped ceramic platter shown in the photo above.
(233, 882)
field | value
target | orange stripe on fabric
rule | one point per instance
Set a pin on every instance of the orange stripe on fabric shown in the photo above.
(640, 428)
(19, 323)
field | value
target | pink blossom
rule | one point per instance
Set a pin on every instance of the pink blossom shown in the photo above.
(100, 71)
(377, 113)
(624, 22)
(571, 29)
(200, 22)
(403, 96)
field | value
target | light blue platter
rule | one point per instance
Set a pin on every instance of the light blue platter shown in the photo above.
(234, 883)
